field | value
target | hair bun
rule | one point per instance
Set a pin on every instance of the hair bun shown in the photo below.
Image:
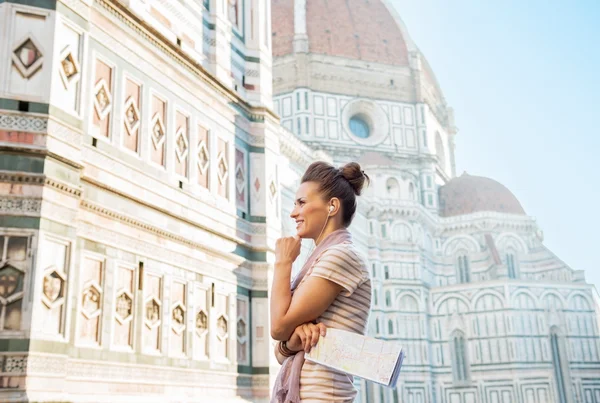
(356, 176)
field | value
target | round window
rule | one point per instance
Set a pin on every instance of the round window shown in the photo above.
(359, 127)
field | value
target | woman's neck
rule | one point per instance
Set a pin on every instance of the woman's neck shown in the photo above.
(330, 228)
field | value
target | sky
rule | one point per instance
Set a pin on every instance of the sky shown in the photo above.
(523, 79)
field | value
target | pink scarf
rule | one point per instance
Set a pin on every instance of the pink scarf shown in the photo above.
(287, 384)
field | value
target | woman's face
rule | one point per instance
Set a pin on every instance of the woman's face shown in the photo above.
(310, 211)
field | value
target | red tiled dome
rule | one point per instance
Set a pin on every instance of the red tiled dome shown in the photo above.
(355, 29)
(470, 194)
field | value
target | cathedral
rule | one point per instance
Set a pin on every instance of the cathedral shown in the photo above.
(150, 151)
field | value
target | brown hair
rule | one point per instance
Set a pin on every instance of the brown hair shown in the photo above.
(344, 183)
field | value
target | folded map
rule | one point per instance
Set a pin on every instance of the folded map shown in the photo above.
(362, 356)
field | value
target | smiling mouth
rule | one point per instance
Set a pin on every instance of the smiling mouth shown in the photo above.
(298, 223)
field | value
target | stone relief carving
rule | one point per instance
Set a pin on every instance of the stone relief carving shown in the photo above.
(90, 301)
(69, 68)
(27, 56)
(178, 316)
(123, 307)
(132, 116)
(181, 149)
(53, 288)
(158, 131)
(222, 168)
(152, 313)
(102, 99)
(222, 327)
(201, 323)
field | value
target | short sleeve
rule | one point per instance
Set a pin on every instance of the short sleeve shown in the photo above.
(342, 266)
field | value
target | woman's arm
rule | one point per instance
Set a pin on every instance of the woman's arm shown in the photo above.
(309, 302)
(304, 338)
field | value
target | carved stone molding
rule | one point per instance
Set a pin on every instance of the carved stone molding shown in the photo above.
(20, 206)
(63, 187)
(19, 122)
(22, 178)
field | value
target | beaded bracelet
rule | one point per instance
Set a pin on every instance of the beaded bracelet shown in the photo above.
(283, 350)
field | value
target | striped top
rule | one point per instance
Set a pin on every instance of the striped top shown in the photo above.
(343, 265)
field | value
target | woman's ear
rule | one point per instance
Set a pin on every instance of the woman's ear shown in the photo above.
(334, 206)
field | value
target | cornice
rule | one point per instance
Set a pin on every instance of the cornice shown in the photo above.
(106, 212)
(294, 148)
(144, 30)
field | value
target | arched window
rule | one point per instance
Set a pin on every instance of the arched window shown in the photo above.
(440, 151)
(383, 231)
(511, 264)
(460, 365)
(393, 188)
(390, 327)
(402, 233)
(411, 191)
(395, 392)
(375, 298)
(558, 366)
(374, 270)
(463, 271)
(388, 298)
(386, 272)
(377, 326)
(369, 389)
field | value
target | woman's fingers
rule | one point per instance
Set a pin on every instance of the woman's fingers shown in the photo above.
(308, 334)
(322, 329)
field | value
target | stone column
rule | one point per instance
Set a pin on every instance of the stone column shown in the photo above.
(221, 61)
(300, 36)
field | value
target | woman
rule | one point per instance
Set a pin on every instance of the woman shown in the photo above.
(332, 289)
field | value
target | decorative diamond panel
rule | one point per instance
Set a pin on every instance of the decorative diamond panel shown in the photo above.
(69, 68)
(181, 146)
(102, 99)
(241, 329)
(11, 282)
(152, 313)
(123, 307)
(273, 189)
(203, 158)
(53, 288)
(132, 116)
(222, 327)
(201, 323)
(158, 131)
(222, 169)
(178, 315)
(90, 301)
(257, 184)
(240, 180)
(27, 56)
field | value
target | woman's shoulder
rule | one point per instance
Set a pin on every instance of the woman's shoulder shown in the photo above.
(347, 252)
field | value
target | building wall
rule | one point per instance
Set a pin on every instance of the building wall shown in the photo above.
(137, 213)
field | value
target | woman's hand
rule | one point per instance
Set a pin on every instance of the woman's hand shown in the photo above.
(287, 249)
(306, 336)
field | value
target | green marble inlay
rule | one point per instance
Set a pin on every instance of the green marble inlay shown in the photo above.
(250, 254)
(243, 291)
(19, 222)
(14, 345)
(259, 294)
(47, 4)
(22, 163)
(13, 104)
